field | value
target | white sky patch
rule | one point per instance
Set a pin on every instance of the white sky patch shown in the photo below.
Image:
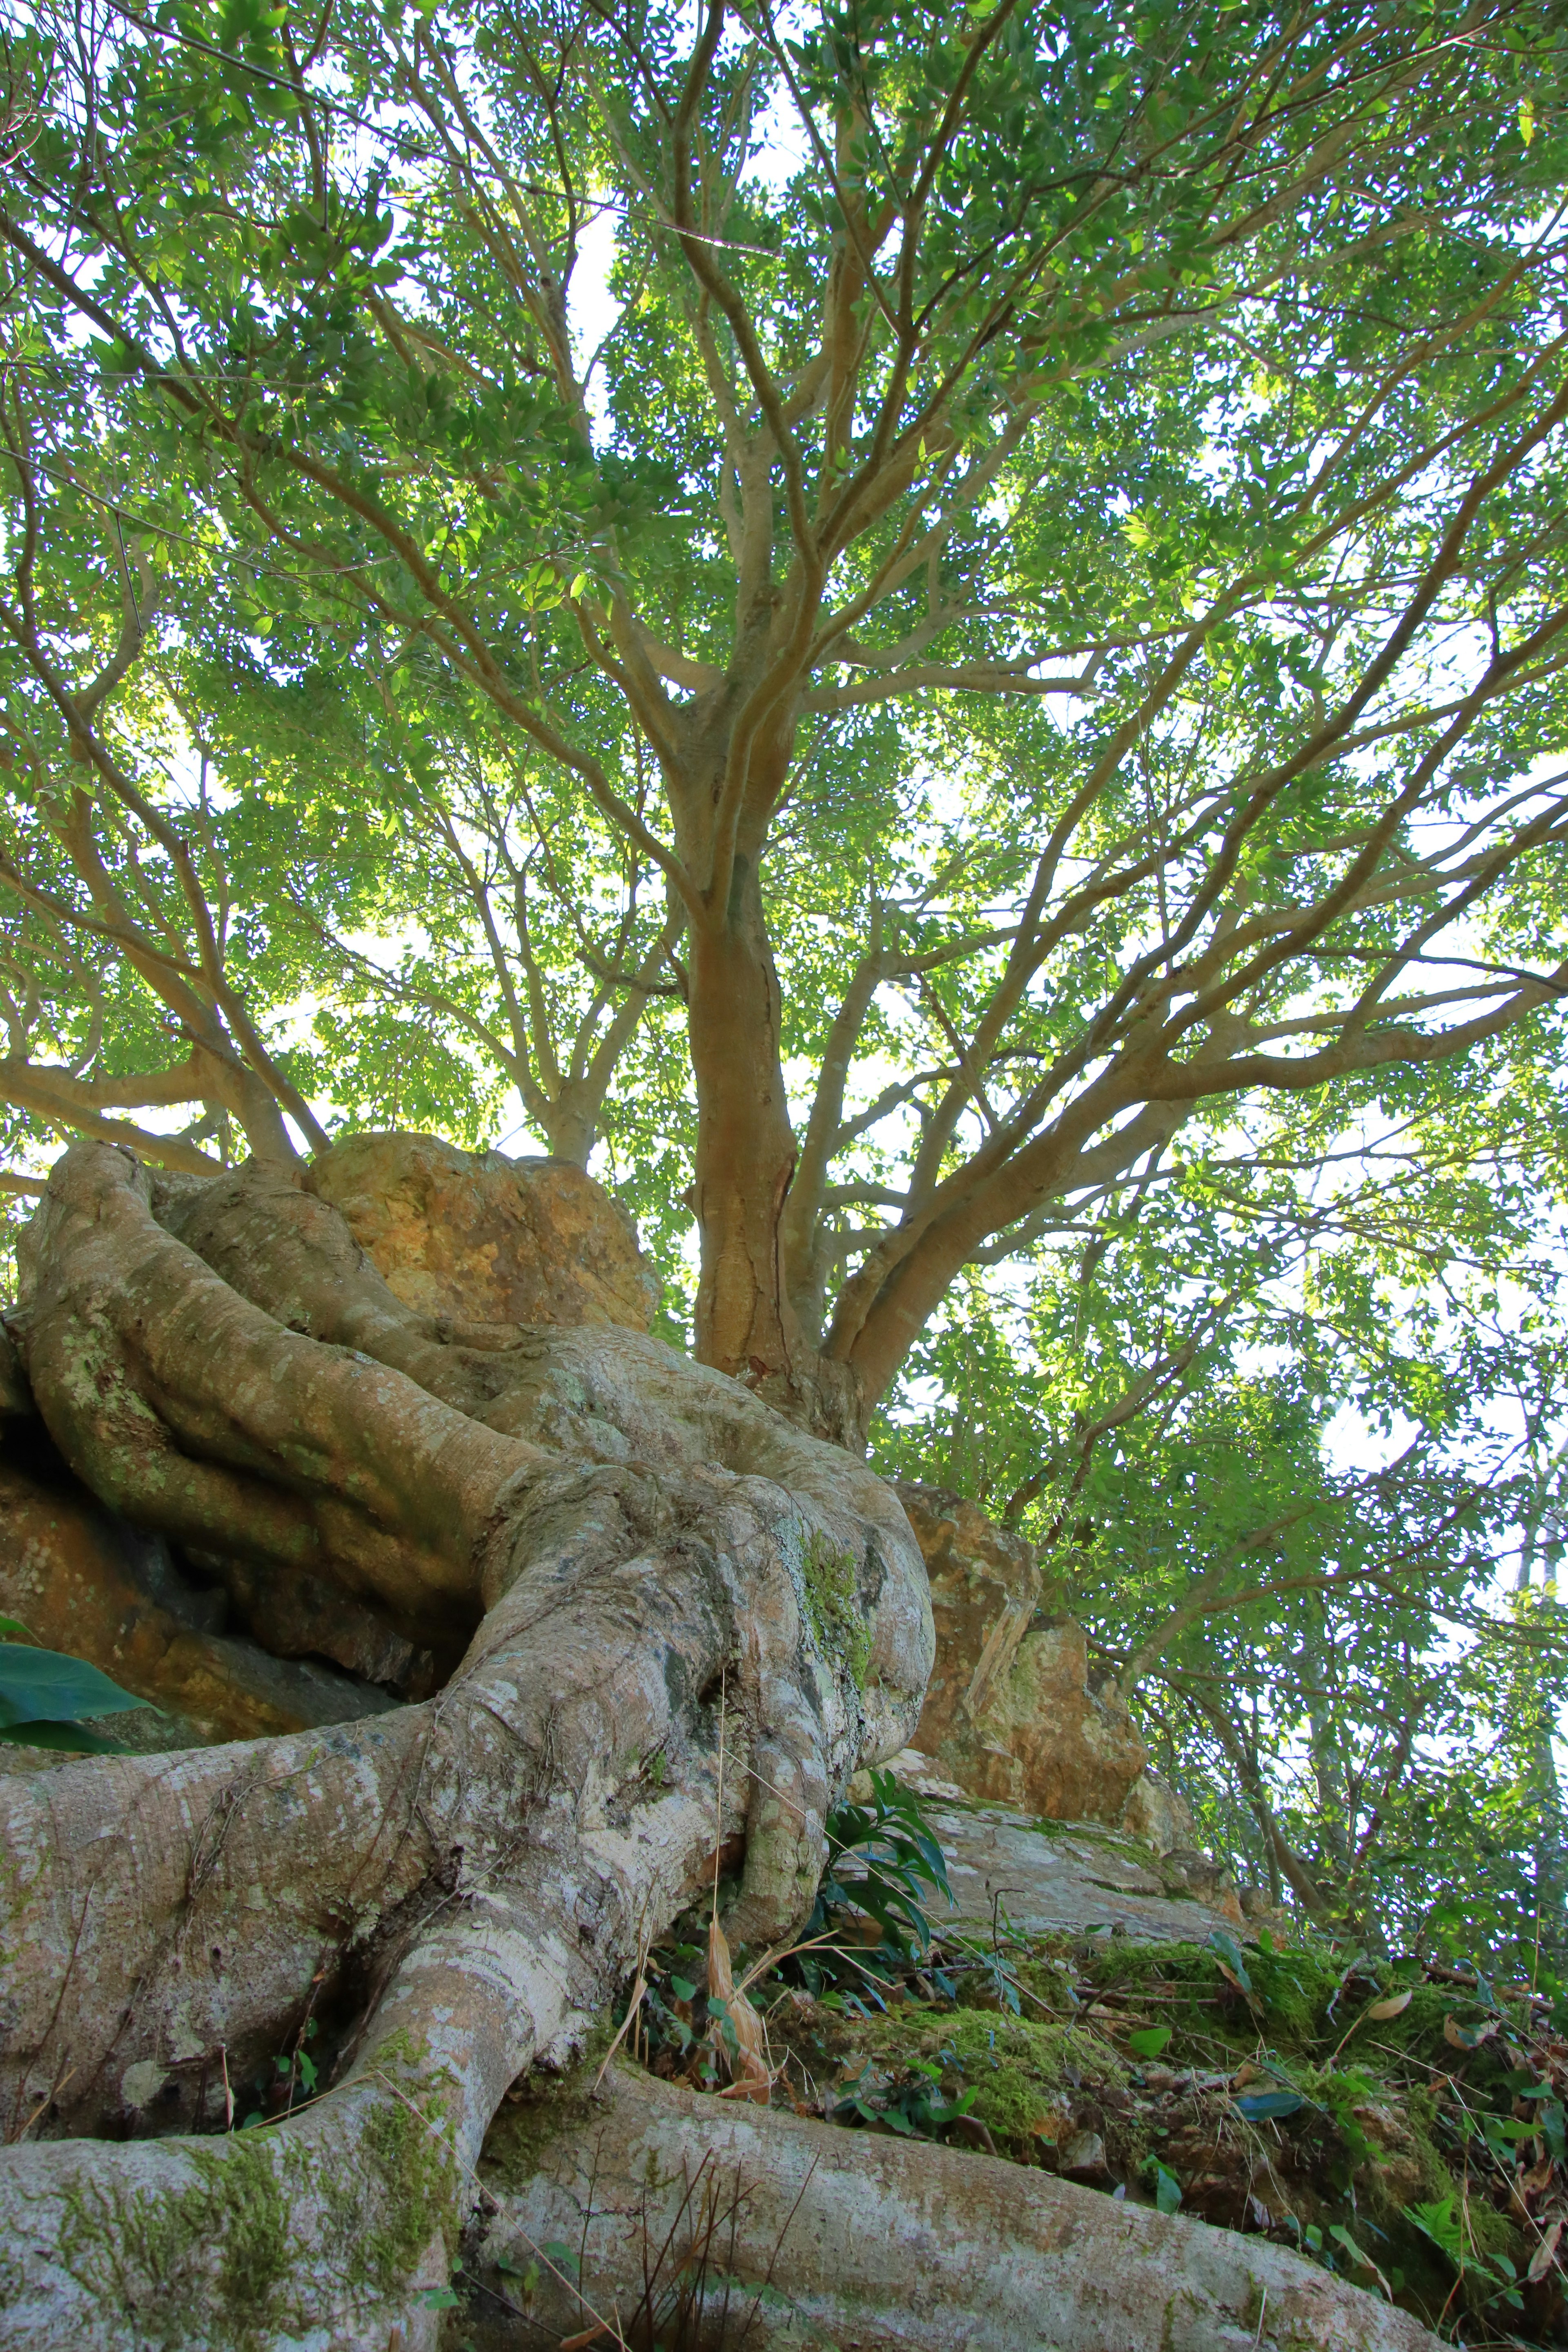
(592, 310)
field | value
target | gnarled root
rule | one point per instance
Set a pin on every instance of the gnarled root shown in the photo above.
(622, 1562)
(459, 1883)
(669, 2198)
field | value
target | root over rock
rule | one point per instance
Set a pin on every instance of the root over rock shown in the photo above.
(609, 1561)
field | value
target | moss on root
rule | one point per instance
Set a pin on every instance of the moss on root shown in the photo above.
(833, 1606)
(226, 2244)
(537, 2110)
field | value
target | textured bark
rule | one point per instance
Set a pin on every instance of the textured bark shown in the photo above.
(881, 2244)
(621, 1547)
(745, 1144)
(746, 1321)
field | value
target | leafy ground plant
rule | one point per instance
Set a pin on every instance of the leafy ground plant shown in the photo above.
(46, 1696)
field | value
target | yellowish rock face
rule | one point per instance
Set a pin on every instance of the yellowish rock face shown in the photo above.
(1011, 1711)
(475, 1237)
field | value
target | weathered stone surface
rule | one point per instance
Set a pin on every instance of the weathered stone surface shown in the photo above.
(1063, 1877)
(1053, 1878)
(84, 1580)
(1011, 1712)
(475, 1238)
(1160, 1815)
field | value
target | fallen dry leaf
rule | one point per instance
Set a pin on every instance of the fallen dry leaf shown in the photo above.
(1545, 2253)
(1395, 2006)
(748, 2061)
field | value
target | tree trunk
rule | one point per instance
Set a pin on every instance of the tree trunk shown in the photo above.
(679, 1624)
(746, 1325)
(745, 1144)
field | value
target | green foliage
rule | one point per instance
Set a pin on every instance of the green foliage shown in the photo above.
(44, 1695)
(885, 1863)
(1153, 870)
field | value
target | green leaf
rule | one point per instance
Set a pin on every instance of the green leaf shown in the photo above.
(1149, 2041)
(1223, 1942)
(1167, 2188)
(1268, 2106)
(46, 1685)
(72, 1739)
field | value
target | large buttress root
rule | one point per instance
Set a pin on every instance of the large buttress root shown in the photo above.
(883, 2243)
(618, 1552)
(469, 1876)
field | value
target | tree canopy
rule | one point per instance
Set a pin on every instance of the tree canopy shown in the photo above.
(991, 744)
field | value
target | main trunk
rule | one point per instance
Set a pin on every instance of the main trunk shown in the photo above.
(745, 1144)
(745, 1325)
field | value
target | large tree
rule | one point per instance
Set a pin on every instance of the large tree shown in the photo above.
(1099, 477)
(1039, 626)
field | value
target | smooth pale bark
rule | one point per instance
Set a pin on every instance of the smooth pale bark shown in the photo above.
(894, 2246)
(634, 1548)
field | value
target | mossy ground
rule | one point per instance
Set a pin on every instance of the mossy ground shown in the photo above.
(1276, 2104)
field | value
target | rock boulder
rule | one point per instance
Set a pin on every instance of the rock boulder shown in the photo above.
(1011, 1713)
(472, 1237)
(84, 1580)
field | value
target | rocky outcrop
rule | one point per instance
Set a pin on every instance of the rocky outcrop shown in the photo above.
(473, 1238)
(1159, 1815)
(1011, 1713)
(1053, 1879)
(84, 1580)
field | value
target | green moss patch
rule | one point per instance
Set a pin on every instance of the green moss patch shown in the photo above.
(833, 1606)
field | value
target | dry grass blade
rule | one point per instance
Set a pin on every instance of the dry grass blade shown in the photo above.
(1545, 2253)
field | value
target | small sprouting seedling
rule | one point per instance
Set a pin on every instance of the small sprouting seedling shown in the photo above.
(1167, 2188)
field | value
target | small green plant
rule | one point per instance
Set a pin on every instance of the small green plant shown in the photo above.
(1448, 2230)
(1167, 2188)
(884, 1860)
(915, 2107)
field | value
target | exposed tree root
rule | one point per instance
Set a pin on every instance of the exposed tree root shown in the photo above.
(878, 2243)
(462, 1882)
(631, 1564)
